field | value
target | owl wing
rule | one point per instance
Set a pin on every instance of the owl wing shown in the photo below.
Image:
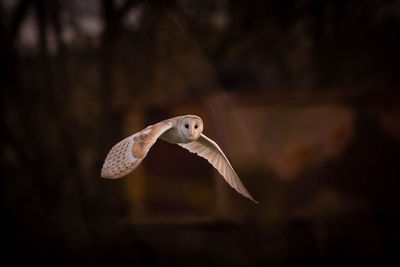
(125, 156)
(208, 149)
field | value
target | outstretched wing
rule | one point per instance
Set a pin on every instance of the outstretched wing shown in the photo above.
(125, 156)
(208, 149)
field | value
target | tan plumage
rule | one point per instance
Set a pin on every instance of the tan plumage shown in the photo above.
(186, 131)
(125, 156)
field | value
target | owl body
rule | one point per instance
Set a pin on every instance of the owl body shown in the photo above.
(185, 131)
(172, 136)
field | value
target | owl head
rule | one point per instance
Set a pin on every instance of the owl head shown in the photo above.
(191, 127)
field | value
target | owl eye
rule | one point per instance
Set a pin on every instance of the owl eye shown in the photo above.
(186, 125)
(196, 126)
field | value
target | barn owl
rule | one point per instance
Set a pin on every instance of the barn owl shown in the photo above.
(185, 131)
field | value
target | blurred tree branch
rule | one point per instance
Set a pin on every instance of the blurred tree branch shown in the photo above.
(112, 16)
(19, 16)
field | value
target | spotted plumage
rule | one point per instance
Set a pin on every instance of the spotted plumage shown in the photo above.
(185, 131)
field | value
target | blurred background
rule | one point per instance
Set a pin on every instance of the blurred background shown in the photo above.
(301, 95)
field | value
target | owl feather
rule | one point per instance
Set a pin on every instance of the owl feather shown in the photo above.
(185, 131)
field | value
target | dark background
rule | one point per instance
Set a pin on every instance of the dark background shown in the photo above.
(301, 95)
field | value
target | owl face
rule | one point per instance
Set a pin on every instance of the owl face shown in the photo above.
(191, 128)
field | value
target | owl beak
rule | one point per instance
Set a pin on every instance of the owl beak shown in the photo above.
(191, 131)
